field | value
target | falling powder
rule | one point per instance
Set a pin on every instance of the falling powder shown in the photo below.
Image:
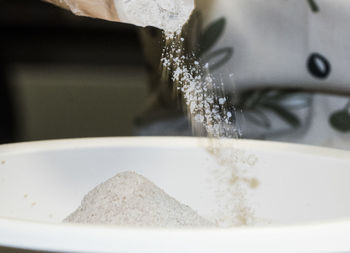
(204, 99)
(211, 115)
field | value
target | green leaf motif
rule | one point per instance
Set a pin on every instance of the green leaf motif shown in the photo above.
(340, 120)
(211, 35)
(220, 57)
(286, 115)
(313, 6)
(259, 118)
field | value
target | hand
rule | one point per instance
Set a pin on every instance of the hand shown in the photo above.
(102, 9)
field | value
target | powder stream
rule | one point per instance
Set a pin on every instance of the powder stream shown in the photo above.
(211, 115)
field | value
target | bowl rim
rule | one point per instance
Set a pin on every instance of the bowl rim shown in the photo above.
(74, 143)
(324, 236)
(317, 237)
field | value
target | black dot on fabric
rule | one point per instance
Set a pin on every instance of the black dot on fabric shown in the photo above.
(318, 66)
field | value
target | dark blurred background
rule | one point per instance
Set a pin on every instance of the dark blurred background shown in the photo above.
(63, 76)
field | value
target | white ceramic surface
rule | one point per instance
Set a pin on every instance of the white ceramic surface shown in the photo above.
(301, 203)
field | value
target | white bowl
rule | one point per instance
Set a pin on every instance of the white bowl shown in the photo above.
(301, 203)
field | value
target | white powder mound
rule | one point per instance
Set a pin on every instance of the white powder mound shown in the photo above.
(169, 15)
(129, 199)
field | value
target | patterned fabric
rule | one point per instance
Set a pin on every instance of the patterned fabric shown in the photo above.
(270, 56)
(285, 43)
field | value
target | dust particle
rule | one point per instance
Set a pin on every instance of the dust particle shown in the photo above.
(252, 182)
(252, 160)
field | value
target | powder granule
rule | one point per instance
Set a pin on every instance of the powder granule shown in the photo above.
(168, 15)
(204, 97)
(129, 199)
